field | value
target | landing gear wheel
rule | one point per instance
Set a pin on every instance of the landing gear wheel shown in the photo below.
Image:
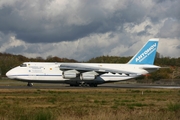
(83, 84)
(93, 85)
(30, 84)
(74, 85)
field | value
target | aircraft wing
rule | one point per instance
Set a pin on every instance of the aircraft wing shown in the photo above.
(87, 68)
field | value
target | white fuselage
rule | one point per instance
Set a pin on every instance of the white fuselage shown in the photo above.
(50, 72)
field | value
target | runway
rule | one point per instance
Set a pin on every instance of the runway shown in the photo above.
(140, 86)
(22, 85)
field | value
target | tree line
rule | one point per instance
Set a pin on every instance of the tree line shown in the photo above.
(8, 61)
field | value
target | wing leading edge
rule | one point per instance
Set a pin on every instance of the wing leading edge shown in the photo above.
(87, 68)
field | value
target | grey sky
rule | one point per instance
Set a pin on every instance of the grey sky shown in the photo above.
(82, 29)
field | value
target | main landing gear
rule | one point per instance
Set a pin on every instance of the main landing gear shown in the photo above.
(93, 85)
(84, 85)
(30, 84)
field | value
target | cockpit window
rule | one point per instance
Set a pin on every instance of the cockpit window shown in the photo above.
(23, 65)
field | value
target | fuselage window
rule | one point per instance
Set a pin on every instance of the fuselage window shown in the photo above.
(23, 65)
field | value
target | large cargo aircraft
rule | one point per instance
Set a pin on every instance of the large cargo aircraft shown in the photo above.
(87, 74)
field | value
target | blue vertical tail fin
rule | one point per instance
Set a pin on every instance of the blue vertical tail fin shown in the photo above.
(147, 53)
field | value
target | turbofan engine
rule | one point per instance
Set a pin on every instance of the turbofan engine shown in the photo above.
(88, 76)
(69, 74)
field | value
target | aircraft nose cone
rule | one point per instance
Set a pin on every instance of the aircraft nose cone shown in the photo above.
(9, 74)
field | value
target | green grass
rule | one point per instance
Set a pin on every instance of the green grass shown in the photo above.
(173, 106)
(88, 104)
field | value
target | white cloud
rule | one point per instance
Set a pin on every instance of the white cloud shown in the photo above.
(9, 41)
(4, 3)
(168, 47)
(81, 29)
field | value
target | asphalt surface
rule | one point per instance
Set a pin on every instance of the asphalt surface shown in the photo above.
(23, 85)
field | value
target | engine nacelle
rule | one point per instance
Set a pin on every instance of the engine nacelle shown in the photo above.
(69, 74)
(87, 76)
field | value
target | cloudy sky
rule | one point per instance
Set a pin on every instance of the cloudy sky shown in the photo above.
(83, 29)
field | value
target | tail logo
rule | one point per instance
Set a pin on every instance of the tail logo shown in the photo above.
(146, 53)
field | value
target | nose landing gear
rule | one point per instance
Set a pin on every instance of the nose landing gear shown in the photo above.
(30, 84)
